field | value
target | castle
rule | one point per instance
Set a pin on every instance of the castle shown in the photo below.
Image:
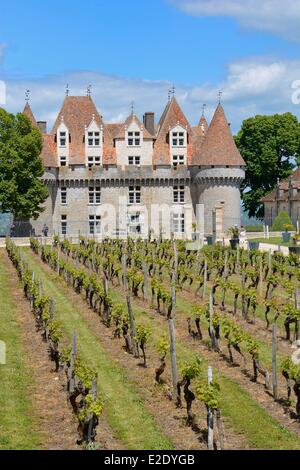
(138, 177)
(285, 197)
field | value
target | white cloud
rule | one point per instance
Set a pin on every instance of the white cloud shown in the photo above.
(251, 87)
(276, 16)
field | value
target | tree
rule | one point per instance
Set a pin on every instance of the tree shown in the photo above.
(281, 222)
(21, 190)
(270, 146)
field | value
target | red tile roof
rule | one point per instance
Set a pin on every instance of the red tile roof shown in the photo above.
(28, 112)
(212, 145)
(77, 112)
(171, 117)
(219, 148)
(293, 181)
(133, 119)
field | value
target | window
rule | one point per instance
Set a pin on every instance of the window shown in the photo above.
(63, 196)
(134, 161)
(135, 223)
(62, 139)
(94, 139)
(178, 139)
(134, 139)
(178, 160)
(63, 161)
(178, 194)
(95, 224)
(134, 194)
(95, 195)
(64, 225)
(178, 223)
(94, 161)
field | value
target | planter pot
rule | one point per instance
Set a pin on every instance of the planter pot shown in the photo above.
(234, 242)
(286, 237)
(295, 250)
(253, 245)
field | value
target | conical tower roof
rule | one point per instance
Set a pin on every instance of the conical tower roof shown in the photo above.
(28, 112)
(219, 148)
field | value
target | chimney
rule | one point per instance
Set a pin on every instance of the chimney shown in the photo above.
(42, 125)
(149, 123)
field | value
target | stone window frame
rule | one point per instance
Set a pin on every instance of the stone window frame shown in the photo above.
(136, 160)
(94, 160)
(94, 139)
(64, 224)
(178, 222)
(179, 194)
(178, 160)
(134, 138)
(63, 160)
(63, 139)
(95, 222)
(94, 195)
(134, 194)
(64, 196)
(179, 138)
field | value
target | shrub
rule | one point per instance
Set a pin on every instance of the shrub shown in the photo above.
(282, 222)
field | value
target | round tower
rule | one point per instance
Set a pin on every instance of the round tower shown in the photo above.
(219, 175)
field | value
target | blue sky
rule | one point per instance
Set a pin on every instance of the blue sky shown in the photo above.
(135, 50)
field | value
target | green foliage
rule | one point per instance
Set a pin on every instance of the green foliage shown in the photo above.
(91, 407)
(55, 331)
(209, 394)
(21, 190)
(283, 219)
(84, 373)
(191, 369)
(163, 345)
(142, 335)
(269, 145)
(290, 369)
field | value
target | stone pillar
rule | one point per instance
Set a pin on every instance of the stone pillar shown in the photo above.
(218, 222)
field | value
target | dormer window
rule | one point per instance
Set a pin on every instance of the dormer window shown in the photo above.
(178, 139)
(63, 139)
(134, 139)
(94, 161)
(178, 160)
(63, 161)
(94, 139)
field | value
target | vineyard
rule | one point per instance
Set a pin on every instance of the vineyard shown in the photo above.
(145, 345)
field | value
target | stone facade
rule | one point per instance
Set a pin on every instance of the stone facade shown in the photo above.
(119, 179)
(285, 197)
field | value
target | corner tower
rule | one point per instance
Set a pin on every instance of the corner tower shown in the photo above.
(218, 173)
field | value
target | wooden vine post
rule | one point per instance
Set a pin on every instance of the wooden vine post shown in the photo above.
(210, 416)
(91, 419)
(205, 279)
(124, 263)
(211, 326)
(270, 262)
(71, 376)
(133, 348)
(58, 258)
(296, 297)
(226, 265)
(261, 279)
(145, 272)
(172, 328)
(274, 362)
(238, 257)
